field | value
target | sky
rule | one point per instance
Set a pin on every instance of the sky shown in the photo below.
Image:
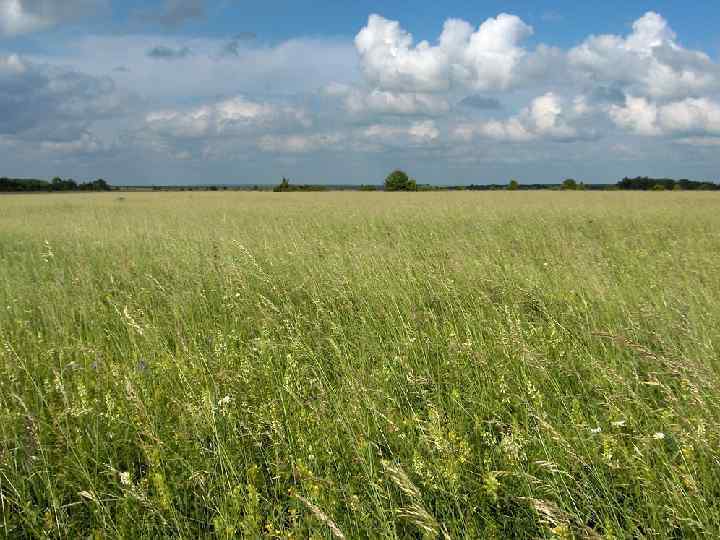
(332, 92)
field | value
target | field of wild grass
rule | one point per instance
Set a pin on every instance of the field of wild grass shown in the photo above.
(360, 365)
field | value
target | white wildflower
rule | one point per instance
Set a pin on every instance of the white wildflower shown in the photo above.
(618, 423)
(225, 401)
(596, 430)
(125, 478)
(659, 436)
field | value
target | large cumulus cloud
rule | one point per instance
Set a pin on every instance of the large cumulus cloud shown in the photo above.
(45, 103)
(644, 83)
(648, 61)
(24, 16)
(480, 59)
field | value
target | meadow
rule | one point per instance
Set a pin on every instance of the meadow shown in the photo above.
(360, 365)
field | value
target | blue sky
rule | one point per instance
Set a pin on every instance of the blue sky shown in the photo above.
(224, 91)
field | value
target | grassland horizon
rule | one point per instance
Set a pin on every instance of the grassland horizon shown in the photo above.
(360, 365)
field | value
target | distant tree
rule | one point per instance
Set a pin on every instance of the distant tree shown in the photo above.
(400, 181)
(569, 184)
(514, 185)
(658, 187)
(283, 186)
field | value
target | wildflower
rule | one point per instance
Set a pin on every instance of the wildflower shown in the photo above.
(659, 436)
(225, 401)
(125, 478)
(596, 430)
(618, 423)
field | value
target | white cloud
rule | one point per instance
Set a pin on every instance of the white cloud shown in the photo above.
(648, 62)
(480, 59)
(86, 144)
(234, 116)
(45, 103)
(700, 141)
(25, 16)
(373, 138)
(299, 144)
(637, 115)
(11, 65)
(691, 116)
(547, 117)
(359, 101)
(416, 134)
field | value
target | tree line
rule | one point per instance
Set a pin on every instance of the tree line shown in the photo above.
(400, 181)
(396, 181)
(8, 185)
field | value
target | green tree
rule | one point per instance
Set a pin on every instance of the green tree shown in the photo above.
(514, 185)
(569, 184)
(399, 181)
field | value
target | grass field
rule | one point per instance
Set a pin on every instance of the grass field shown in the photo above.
(360, 365)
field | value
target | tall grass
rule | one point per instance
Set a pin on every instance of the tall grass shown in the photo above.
(360, 365)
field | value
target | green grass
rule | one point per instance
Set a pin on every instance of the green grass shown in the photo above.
(367, 365)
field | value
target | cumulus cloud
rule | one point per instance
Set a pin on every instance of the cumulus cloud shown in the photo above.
(480, 59)
(300, 144)
(691, 116)
(25, 16)
(360, 101)
(227, 117)
(422, 133)
(548, 117)
(373, 138)
(45, 103)
(87, 144)
(648, 61)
